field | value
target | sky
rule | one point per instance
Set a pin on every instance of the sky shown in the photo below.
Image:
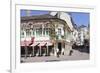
(79, 18)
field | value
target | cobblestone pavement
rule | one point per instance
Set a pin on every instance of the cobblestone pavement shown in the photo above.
(76, 55)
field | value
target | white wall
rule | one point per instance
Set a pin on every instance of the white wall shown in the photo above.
(64, 16)
(67, 19)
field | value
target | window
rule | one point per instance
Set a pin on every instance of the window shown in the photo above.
(22, 34)
(68, 34)
(28, 33)
(33, 32)
(47, 31)
(59, 31)
(38, 31)
(44, 31)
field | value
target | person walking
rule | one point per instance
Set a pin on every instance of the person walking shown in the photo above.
(58, 52)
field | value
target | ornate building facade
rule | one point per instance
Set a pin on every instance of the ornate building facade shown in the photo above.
(45, 35)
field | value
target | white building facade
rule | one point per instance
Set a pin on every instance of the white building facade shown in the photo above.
(82, 35)
(46, 35)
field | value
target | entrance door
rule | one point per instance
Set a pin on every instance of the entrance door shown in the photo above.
(59, 46)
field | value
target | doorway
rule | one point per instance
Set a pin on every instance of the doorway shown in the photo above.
(60, 46)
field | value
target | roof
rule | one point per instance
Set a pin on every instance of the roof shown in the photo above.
(45, 16)
(74, 25)
(82, 26)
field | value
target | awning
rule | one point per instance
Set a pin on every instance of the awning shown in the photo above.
(34, 44)
(49, 44)
(42, 44)
(45, 44)
(25, 43)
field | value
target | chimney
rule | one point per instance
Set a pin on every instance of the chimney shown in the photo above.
(58, 14)
(28, 12)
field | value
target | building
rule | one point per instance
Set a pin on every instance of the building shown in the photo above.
(83, 34)
(47, 34)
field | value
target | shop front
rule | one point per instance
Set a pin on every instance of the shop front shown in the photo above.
(38, 48)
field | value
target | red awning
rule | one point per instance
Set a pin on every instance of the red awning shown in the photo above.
(25, 43)
(41, 44)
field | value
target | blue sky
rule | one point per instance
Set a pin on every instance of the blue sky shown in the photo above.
(34, 12)
(79, 18)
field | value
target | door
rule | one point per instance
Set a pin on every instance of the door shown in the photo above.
(59, 46)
